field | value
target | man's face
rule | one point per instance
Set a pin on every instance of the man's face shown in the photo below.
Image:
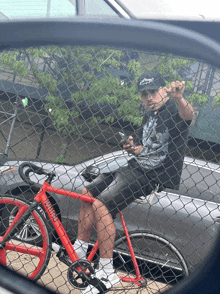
(154, 99)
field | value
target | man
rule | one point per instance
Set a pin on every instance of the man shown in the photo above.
(159, 153)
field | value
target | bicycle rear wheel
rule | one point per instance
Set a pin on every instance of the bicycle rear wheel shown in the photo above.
(29, 260)
(159, 261)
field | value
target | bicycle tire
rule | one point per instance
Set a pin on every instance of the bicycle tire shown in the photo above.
(29, 260)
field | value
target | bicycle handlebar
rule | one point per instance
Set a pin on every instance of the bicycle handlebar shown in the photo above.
(35, 169)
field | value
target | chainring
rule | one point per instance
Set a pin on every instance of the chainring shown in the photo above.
(79, 274)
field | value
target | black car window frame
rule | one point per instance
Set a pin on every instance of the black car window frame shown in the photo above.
(143, 35)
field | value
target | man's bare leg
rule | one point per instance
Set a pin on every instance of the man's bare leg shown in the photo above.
(96, 214)
(105, 229)
(86, 219)
(85, 226)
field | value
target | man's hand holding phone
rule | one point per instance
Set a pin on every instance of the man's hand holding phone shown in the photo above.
(128, 144)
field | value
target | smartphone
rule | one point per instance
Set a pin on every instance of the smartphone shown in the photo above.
(124, 137)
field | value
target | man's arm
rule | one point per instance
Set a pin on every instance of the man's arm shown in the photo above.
(176, 90)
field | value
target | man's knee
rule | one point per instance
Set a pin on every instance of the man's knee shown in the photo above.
(100, 209)
(85, 204)
(86, 192)
(98, 204)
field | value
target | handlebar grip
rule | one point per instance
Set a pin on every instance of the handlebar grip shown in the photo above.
(31, 168)
(36, 169)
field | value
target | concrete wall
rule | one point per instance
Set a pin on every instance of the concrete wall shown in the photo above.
(32, 140)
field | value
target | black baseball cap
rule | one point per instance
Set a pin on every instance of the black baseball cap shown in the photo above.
(150, 80)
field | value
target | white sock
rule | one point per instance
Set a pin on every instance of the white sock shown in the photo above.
(106, 264)
(81, 248)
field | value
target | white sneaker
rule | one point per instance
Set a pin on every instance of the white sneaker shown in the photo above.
(102, 282)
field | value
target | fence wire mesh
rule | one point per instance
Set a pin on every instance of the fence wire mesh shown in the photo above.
(62, 108)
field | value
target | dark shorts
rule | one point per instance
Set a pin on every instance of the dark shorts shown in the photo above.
(120, 188)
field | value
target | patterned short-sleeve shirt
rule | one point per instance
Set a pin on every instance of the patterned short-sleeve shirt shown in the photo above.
(163, 137)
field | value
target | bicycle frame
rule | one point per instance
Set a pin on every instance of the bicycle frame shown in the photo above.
(41, 197)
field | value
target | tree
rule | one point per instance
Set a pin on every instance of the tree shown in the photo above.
(95, 79)
(216, 101)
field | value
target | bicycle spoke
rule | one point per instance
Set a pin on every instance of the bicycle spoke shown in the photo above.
(23, 233)
(35, 228)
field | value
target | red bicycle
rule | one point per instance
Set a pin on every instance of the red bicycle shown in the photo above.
(32, 261)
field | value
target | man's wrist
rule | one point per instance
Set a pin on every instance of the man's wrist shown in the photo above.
(137, 150)
(178, 98)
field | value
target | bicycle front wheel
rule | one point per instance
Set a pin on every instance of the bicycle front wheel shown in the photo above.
(29, 260)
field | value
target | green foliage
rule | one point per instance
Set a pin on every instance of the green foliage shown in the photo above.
(17, 66)
(60, 159)
(91, 75)
(133, 66)
(216, 101)
(46, 81)
(198, 99)
(167, 66)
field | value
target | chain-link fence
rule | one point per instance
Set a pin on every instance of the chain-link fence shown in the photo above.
(62, 108)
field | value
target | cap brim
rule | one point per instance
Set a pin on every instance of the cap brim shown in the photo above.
(148, 88)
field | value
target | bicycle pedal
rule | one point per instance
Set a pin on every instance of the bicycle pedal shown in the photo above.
(63, 257)
(142, 282)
